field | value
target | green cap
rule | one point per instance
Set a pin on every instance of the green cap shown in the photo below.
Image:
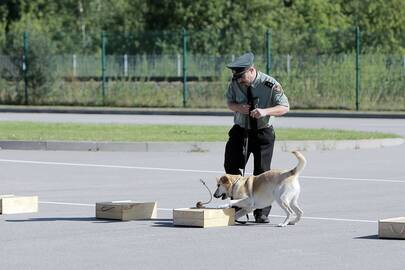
(241, 64)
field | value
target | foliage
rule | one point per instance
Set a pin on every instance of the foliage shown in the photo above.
(216, 27)
(38, 67)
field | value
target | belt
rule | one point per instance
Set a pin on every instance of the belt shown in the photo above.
(250, 129)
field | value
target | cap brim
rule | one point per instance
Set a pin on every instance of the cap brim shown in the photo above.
(239, 74)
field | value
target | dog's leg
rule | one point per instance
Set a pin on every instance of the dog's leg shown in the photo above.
(241, 212)
(297, 210)
(242, 203)
(285, 206)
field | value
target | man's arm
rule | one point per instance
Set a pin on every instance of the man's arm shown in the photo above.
(277, 110)
(236, 107)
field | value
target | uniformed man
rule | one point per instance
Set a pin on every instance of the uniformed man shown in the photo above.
(254, 97)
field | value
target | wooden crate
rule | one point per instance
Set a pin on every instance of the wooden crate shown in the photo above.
(203, 217)
(392, 228)
(126, 210)
(10, 204)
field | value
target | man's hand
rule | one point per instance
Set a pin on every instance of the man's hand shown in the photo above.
(244, 108)
(258, 113)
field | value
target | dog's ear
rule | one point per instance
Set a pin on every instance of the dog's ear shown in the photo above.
(224, 180)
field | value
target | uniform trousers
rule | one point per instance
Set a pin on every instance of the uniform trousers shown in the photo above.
(260, 144)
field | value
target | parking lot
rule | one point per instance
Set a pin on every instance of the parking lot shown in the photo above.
(344, 193)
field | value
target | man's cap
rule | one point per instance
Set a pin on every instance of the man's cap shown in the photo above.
(241, 64)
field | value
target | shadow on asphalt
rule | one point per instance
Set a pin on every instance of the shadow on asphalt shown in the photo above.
(375, 237)
(168, 223)
(54, 219)
(93, 219)
(369, 237)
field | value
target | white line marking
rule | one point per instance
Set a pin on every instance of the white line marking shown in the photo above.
(66, 203)
(181, 170)
(88, 204)
(103, 166)
(353, 179)
(171, 209)
(334, 219)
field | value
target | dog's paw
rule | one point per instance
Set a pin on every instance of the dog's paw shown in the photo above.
(281, 225)
(222, 206)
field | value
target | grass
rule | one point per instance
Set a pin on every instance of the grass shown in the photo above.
(176, 133)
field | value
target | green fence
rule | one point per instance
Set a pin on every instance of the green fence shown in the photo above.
(187, 69)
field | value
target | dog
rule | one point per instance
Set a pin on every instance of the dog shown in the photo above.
(256, 192)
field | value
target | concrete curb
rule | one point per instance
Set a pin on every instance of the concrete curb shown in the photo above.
(195, 112)
(282, 146)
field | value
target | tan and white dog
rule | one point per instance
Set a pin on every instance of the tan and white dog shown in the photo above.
(257, 192)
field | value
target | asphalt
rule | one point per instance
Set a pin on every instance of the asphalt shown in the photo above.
(343, 195)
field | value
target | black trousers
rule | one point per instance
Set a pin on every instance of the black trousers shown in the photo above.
(260, 144)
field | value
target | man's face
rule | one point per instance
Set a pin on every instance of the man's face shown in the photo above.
(247, 77)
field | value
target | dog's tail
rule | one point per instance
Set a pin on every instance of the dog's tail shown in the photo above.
(301, 163)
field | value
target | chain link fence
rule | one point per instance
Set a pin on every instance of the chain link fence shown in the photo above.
(188, 69)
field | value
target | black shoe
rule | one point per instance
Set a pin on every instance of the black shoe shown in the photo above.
(240, 222)
(261, 215)
(262, 219)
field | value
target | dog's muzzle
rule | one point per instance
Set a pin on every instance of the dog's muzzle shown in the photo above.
(222, 196)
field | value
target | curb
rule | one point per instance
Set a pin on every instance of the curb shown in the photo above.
(195, 112)
(281, 146)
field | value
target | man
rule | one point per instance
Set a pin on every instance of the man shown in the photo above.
(253, 97)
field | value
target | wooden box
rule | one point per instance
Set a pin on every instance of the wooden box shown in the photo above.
(392, 228)
(126, 210)
(203, 217)
(10, 204)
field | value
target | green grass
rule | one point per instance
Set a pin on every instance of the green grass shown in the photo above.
(175, 133)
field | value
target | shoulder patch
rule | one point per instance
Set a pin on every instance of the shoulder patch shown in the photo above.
(277, 87)
(269, 84)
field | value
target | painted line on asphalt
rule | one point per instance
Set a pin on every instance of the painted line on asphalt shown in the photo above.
(334, 219)
(67, 203)
(104, 166)
(352, 179)
(171, 209)
(183, 170)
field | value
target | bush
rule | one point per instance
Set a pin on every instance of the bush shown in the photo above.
(41, 69)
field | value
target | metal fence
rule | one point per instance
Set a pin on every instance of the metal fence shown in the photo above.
(182, 69)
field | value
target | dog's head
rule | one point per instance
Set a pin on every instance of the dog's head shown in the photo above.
(224, 187)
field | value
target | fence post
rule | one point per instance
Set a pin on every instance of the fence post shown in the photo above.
(268, 52)
(357, 68)
(125, 65)
(178, 65)
(103, 65)
(74, 65)
(25, 66)
(185, 89)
